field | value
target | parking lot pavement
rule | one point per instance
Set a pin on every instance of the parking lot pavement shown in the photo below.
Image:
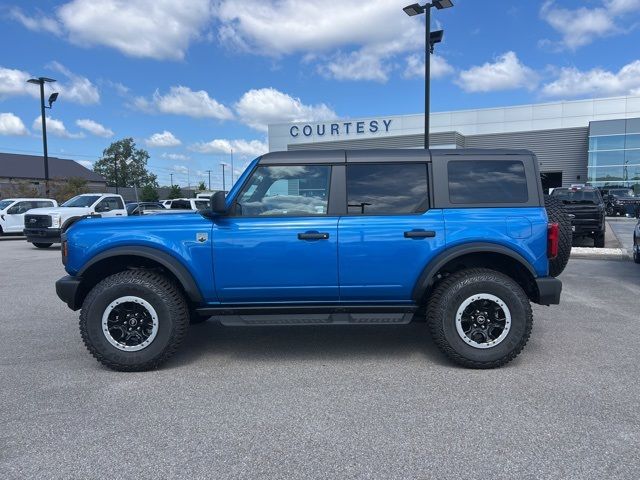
(623, 229)
(322, 402)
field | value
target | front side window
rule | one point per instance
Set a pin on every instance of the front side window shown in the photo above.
(296, 190)
(108, 204)
(487, 181)
(387, 189)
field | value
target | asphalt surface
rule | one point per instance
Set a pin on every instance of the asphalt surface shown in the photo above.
(322, 402)
(623, 229)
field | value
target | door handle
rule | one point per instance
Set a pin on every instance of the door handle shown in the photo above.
(420, 234)
(313, 236)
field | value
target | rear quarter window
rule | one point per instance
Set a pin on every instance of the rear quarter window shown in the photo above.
(487, 181)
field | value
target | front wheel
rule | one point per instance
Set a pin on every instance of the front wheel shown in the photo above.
(480, 318)
(42, 245)
(134, 320)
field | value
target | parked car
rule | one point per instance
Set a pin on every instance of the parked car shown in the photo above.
(622, 201)
(586, 208)
(332, 237)
(187, 204)
(139, 208)
(43, 226)
(12, 212)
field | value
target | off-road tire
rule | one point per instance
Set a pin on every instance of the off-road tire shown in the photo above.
(455, 289)
(163, 295)
(195, 319)
(42, 245)
(598, 240)
(557, 214)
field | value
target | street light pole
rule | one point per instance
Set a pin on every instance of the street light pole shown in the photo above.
(209, 172)
(430, 40)
(224, 188)
(41, 81)
(115, 162)
(232, 168)
(171, 179)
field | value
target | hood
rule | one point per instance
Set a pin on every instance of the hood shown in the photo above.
(64, 211)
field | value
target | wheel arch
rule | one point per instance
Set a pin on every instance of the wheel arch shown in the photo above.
(125, 258)
(473, 255)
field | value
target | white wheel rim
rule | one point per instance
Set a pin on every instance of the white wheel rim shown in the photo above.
(463, 317)
(132, 325)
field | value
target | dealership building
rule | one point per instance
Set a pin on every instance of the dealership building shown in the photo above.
(594, 141)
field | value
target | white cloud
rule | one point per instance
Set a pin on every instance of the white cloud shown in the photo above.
(160, 29)
(581, 26)
(75, 88)
(506, 73)
(55, 128)
(415, 66)
(259, 108)
(164, 139)
(11, 124)
(176, 156)
(350, 39)
(86, 164)
(181, 169)
(597, 82)
(252, 148)
(95, 128)
(184, 101)
(36, 23)
(14, 82)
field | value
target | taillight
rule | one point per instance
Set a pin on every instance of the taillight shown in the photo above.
(553, 237)
(65, 251)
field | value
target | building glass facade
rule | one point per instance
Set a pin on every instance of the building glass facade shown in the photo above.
(614, 154)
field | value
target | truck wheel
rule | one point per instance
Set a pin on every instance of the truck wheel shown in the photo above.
(557, 214)
(134, 320)
(480, 318)
(42, 245)
(598, 240)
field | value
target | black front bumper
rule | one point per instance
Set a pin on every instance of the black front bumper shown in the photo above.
(43, 235)
(549, 290)
(67, 290)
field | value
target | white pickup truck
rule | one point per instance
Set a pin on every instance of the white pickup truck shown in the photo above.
(44, 226)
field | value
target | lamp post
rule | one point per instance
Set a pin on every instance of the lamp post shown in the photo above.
(224, 188)
(209, 172)
(52, 98)
(431, 38)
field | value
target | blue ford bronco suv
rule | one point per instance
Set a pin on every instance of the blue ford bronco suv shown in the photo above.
(459, 238)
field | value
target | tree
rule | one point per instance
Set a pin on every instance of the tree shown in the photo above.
(149, 194)
(175, 192)
(201, 186)
(135, 173)
(64, 190)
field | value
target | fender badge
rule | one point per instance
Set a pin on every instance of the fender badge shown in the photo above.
(202, 237)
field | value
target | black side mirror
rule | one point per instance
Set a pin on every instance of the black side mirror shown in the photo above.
(218, 203)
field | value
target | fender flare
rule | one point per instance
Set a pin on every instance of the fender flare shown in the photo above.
(428, 273)
(168, 261)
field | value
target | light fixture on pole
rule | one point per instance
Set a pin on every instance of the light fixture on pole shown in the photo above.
(52, 98)
(430, 40)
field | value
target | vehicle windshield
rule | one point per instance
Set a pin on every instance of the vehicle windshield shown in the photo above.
(625, 192)
(81, 201)
(576, 196)
(5, 203)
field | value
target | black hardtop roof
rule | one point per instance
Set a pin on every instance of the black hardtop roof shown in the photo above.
(380, 155)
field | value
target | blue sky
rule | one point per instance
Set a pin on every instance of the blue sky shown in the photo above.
(190, 80)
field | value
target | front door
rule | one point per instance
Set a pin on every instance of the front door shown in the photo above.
(389, 234)
(15, 216)
(280, 242)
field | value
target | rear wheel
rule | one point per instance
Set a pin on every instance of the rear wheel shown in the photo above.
(42, 245)
(636, 251)
(557, 214)
(134, 320)
(480, 318)
(598, 240)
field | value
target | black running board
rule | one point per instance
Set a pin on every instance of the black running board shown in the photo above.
(310, 315)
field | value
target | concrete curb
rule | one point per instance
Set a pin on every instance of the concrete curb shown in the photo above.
(599, 253)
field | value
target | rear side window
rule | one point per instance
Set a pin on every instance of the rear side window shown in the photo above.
(181, 205)
(487, 181)
(387, 189)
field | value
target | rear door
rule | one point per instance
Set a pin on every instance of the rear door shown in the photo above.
(390, 232)
(280, 244)
(111, 207)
